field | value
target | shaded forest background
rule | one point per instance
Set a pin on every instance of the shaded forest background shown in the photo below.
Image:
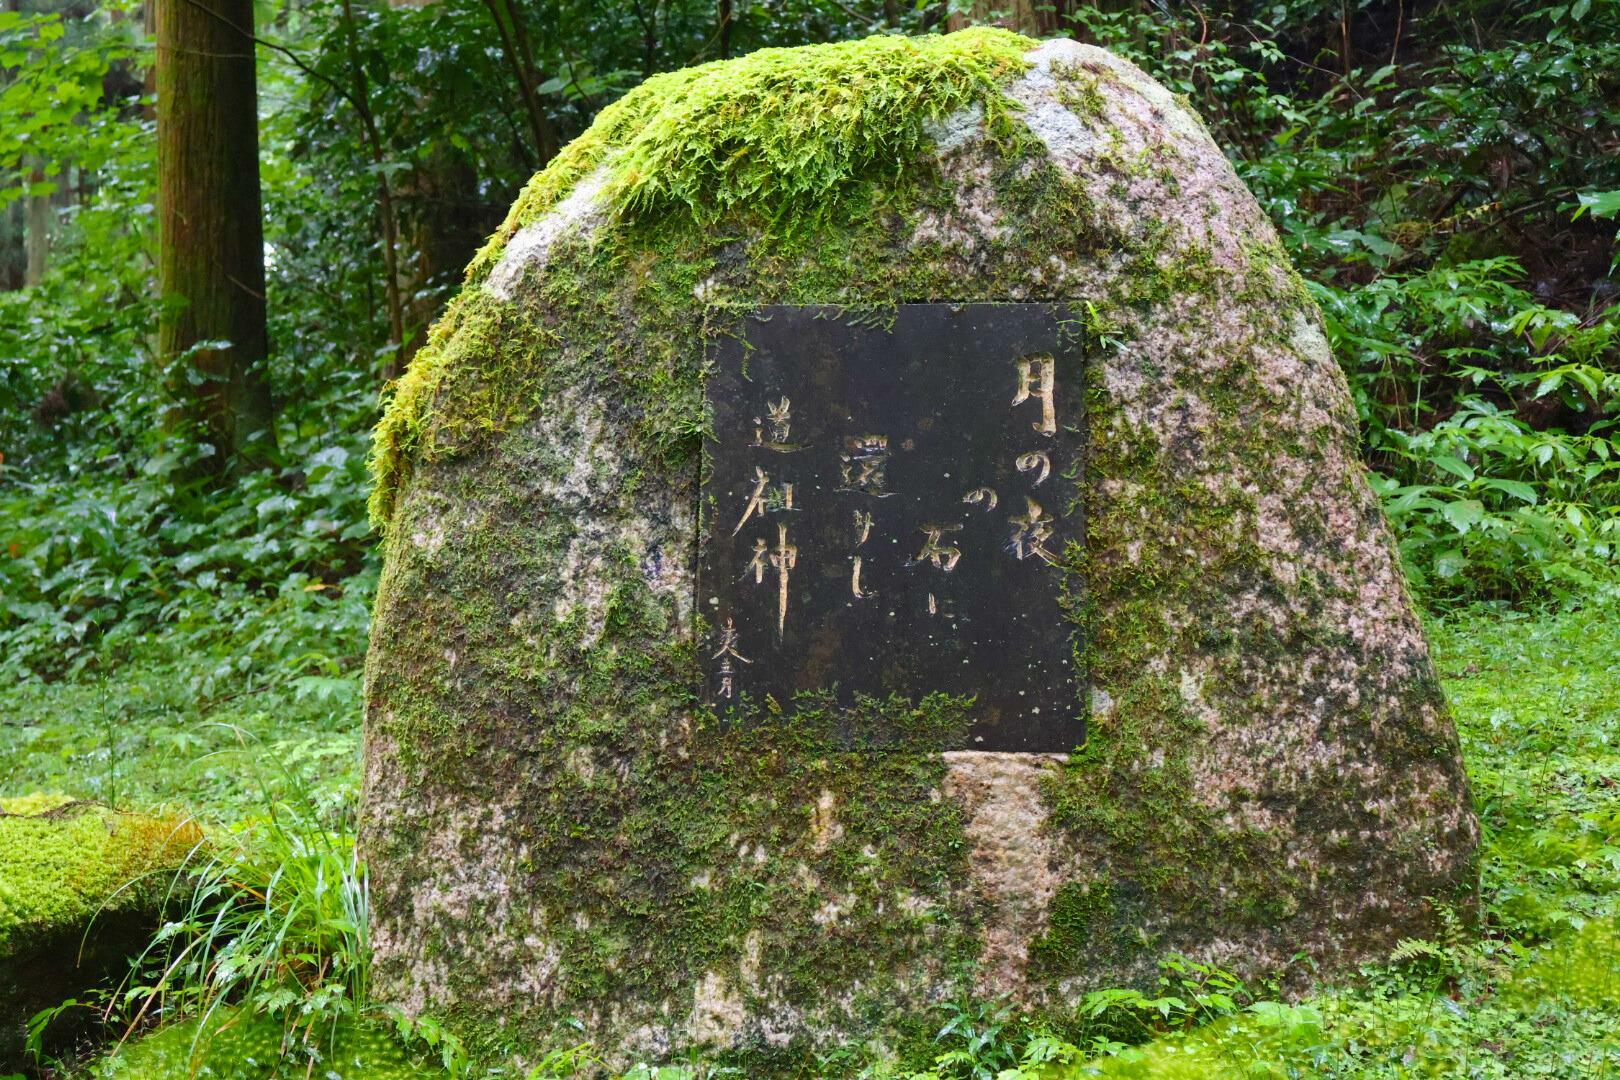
(1446, 176)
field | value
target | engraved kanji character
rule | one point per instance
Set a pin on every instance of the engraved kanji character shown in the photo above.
(779, 414)
(756, 565)
(944, 556)
(863, 464)
(785, 557)
(762, 499)
(1031, 532)
(729, 638)
(1036, 377)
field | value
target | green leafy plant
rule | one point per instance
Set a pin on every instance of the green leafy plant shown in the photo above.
(1415, 185)
(276, 922)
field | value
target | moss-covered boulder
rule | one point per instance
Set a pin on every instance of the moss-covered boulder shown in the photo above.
(81, 888)
(559, 832)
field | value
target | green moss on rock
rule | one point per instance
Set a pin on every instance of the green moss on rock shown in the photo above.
(558, 832)
(234, 1045)
(81, 888)
(780, 136)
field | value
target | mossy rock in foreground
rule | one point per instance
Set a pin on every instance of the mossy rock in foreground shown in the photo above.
(558, 834)
(234, 1045)
(81, 887)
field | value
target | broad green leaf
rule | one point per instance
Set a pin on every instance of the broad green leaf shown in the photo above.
(1454, 465)
(1464, 514)
(1517, 488)
(1600, 203)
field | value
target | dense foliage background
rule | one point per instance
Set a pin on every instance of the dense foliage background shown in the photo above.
(1445, 174)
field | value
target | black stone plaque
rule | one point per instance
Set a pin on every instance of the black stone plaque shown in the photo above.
(883, 509)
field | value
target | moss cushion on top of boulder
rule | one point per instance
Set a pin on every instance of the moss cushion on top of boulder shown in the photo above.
(561, 836)
(81, 886)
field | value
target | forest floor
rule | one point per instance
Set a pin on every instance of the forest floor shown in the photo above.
(1533, 992)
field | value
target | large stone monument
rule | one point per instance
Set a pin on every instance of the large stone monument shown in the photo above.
(882, 521)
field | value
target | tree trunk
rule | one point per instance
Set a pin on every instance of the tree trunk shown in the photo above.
(13, 241)
(14, 236)
(1024, 16)
(442, 224)
(38, 243)
(210, 228)
(508, 22)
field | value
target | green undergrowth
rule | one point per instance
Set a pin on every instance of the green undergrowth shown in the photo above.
(1535, 992)
(1553, 1014)
(165, 725)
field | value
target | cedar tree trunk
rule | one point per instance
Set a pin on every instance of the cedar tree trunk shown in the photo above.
(211, 234)
(38, 243)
